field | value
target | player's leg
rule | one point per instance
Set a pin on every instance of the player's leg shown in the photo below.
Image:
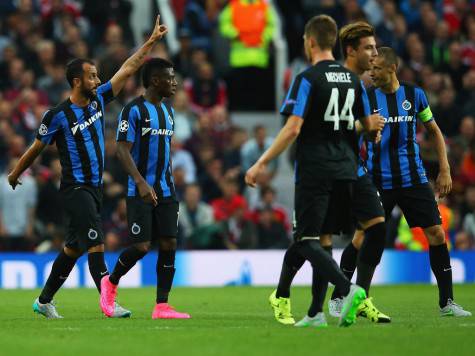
(64, 262)
(62, 267)
(165, 226)
(420, 209)
(139, 217)
(315, 316)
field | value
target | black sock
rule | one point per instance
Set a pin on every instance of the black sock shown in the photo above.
(62, 266)
(165, 273)
(127, 259)
(319, 289)
(440, 264)
(97, 267)
(293, 261)
(347, 265)
(319, 258)
(370, 254)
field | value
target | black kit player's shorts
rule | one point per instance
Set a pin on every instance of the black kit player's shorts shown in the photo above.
(83, 206)
(149, 223)
(323, 207)
(367, 203)
(417, 203)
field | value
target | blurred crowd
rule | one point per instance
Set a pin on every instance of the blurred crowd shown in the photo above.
(225, 63)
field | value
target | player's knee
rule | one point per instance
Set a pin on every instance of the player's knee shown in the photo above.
(435, 235)
(167, 244)
(293, 259)
(373, 244)
(143, 247)
(358, 239)
(97, 248)
(326, 240)
(72, 252)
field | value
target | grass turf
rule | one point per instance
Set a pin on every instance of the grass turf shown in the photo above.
(232, 321)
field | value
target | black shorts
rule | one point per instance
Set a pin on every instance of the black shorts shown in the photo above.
(367, 203)
(149, 223)
(83, 206)
(323, 208)
(417, 203)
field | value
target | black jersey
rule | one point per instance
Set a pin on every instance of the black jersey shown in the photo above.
(328, 97)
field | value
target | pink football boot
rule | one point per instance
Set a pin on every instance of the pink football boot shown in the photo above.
(166, 311)
(108, 294)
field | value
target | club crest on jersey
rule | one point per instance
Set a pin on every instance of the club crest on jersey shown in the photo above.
(86, 123)
(123, 126)
(406, 105)
(135, 229)
(43, 130)
(94, 105)
(92, 234)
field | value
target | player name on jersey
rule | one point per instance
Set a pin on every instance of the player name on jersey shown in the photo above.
(338, 77)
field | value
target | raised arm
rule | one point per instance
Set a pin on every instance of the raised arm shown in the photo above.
(147, 193)
(25, 162)
(134, 62)
(444, 180)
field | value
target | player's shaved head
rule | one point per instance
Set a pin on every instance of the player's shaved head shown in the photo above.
(388, 55)
(323, 30)
(152, 67)
(351, 34)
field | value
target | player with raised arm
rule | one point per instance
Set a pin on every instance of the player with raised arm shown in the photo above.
(396, 167)
(144, 137)
(321, 106)
(77, 127)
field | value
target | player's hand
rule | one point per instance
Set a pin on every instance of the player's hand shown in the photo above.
(377, 139)
(375, 123)
(252, 173)
(13, 180)
(147, 193)
(159, 30)
(443, 184)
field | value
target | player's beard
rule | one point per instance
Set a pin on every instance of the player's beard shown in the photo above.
(87, 93)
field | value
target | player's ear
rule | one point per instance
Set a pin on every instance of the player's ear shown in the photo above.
(76, 82)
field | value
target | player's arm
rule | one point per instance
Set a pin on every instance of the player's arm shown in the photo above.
(133, 63)
(25, 162)
(147, 193)
(284, 139)
(444, 180)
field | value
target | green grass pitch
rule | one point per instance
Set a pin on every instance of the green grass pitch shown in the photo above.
(232, 321)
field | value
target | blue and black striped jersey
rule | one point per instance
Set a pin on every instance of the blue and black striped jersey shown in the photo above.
(395, 162)
(328, 97)
(150, 129)
(79, 136)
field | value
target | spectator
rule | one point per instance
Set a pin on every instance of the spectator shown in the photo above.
(465, 239)
(271, 234)
(467, 169)
(199, 23)
(238, 230)
(17, 213)
(184, 119)
(205, 90)
(117, 231)
(183, 159)
(254, 148)
(267, 202)
(196, 222)
(224, 207)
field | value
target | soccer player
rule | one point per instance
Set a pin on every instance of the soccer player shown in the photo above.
(144, 139)
(77, 127)
(321, 106)
(359, 49)
(396, 167)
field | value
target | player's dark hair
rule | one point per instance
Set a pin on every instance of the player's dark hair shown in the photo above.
(389, 55)
(266, 190)
(323, 29)
(153, 67)
(351, 34)
(74, 69)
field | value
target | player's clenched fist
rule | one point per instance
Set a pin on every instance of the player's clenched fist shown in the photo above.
(252, 173)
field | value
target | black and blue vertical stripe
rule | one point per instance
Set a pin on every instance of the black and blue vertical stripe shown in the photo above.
(395, 162)
(150, 129)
